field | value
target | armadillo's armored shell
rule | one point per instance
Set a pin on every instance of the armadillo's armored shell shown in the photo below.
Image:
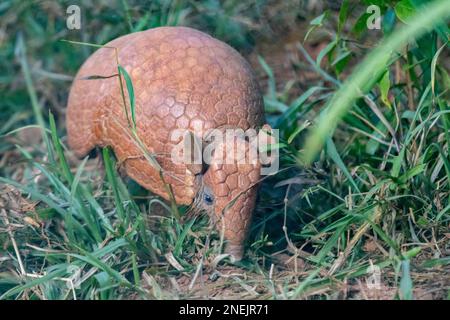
(182, 79)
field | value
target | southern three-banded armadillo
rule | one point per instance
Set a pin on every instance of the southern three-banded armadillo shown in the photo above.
(182, 79)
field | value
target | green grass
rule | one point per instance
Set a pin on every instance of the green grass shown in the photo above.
(370, 69)
(376, 194)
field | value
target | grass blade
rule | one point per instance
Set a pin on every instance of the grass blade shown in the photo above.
(369, 70)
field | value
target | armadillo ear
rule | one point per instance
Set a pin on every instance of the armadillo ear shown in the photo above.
(193, 151)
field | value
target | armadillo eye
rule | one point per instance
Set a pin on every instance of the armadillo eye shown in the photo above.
(208, 199)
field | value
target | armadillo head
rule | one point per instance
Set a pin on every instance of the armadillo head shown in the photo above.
(228, 191)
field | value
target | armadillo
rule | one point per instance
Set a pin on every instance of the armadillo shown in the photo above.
(182, 79)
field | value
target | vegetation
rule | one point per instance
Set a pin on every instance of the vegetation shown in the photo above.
(362, 190)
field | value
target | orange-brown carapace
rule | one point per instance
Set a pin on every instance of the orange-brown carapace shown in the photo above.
(182, 79)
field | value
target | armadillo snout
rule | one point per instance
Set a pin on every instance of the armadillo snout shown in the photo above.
(234, 186)
(236, 252)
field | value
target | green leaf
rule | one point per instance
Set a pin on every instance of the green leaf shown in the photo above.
(334, 155)
(404, 10)
(343, 14)
(412, 253)
(436, 262)
(325, 51)
(397, 163)
(318, 21)
(299, 129)
(59, 151)
(341, 61)
(136, 277)
(315, 23)
(406, 284)
(385, 85)
(361, 24)
(179, 244)
(411, 173)
(433, 67)
(130, 89)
